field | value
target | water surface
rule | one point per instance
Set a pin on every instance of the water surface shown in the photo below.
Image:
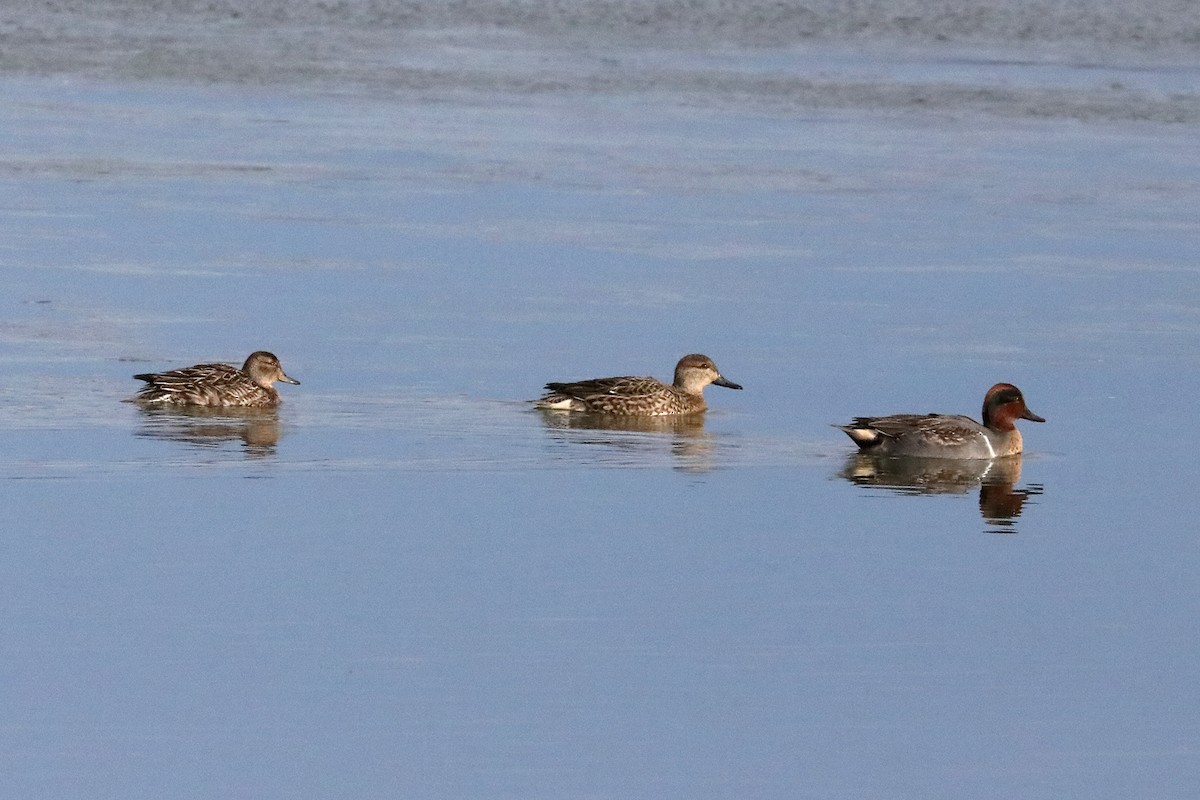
(406, 582)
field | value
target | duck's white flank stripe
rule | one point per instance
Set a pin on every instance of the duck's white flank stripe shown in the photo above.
(991, 450)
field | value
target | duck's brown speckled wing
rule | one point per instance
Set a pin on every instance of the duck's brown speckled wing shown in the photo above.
(625, 387)
(627, 396)
(937, 430)
(202, 384)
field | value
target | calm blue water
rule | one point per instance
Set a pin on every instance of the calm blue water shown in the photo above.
(407, 583)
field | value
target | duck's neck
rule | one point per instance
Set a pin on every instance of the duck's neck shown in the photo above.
(690, 385)
(1000, 419)
(1010, 443)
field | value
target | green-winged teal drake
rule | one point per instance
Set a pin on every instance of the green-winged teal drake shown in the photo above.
(639, 397)
(945, 436)
(217, 384)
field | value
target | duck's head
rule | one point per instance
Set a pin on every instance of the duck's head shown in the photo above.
(1003, 405)
(695, 371)
(263, 368)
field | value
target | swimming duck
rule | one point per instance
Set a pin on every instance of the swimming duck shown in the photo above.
(641, 397)
(217, 384)
(945, 436)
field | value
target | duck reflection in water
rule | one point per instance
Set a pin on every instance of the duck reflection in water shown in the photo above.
(684, 435)
(1000, 503)
(212, 428)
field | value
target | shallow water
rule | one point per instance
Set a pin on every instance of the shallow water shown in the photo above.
(406, 582)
